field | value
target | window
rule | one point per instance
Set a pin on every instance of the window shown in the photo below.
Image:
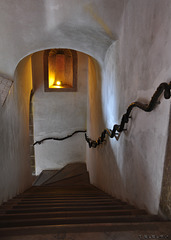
(60, 70)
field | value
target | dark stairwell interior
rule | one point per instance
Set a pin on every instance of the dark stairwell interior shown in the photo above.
(135, 60)
(62, 201)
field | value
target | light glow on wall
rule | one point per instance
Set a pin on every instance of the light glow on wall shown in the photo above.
(60, 70)
(56, 68)
(58, 84)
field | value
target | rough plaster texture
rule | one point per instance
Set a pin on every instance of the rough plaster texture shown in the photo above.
(29, 26)
(134, 66)
(73, 24)
(58, 114)
(165, 199)
(15, 170)
(5, 85)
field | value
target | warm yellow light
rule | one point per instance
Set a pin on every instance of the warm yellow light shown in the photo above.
(51, 80)
(56, 70)
(55, 84)
(59, 83)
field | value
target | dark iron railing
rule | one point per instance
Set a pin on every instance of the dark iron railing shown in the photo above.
(58, 138)
(117, 129)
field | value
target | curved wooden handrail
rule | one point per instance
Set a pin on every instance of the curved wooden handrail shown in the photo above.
(117, 129)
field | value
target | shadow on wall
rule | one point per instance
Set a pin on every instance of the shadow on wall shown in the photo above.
(15, 172)
(101, 162)
(37, 71)
(131, 168)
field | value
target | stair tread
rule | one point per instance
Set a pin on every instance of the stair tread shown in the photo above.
(75, 220)
(72, 208)
(69, 198)
(76, 180)
(61, 203)
(68, 202)
(93, 227)
(62, 213)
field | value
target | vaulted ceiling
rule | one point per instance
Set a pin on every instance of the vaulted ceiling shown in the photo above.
(28, 26)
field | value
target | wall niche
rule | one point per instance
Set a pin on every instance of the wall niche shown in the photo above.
(60, 70)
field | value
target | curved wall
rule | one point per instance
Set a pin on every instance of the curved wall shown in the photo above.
(30, 26)
(134, 66)
(15, 167)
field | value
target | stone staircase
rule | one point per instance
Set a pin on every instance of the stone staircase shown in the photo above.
(62, 204)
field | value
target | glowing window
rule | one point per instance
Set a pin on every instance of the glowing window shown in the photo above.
(60, 70)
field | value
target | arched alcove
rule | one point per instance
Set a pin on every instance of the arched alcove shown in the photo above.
(60, 70)
(58, 114)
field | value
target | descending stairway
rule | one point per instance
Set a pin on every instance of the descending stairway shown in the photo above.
(62, 201)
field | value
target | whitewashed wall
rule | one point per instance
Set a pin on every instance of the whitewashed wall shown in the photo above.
(58, 114)
(15, 168)
(134, 66)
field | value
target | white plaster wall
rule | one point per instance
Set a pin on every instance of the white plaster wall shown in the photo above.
(139, 61)
(58, 114)
(15, 172)
(134, 66)
(29, 26)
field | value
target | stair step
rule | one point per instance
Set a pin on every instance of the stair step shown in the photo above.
(51, 188)
(71, 201)
(63, 204)
(71, 198)
(51, 195)
(72, 180)
(67, 202)
(73, 220)
(68, 198)
(54, 202)
(64, 213)
(57, 194)
(84, 228)
(76, 208)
